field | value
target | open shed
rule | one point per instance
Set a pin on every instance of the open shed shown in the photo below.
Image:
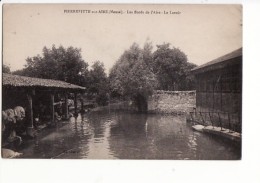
(26, 92)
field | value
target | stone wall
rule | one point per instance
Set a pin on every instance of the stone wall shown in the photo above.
(176, 102)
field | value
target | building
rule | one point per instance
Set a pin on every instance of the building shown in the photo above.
(219, 91)
(31, 92)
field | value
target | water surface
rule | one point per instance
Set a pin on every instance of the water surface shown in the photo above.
(116, 134)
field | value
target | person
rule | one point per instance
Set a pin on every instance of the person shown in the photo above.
(57, 116)
(8, 124)
(59, 108)
(19, 113)
(10, 118)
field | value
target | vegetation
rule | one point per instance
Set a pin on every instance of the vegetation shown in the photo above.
(6, 69)
(139, 71)
(135, 75)
(97, 83)
(66, 64)
(60, 63)
(131, 76)
(171, 68)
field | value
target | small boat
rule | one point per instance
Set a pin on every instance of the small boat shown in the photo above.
(198, 127)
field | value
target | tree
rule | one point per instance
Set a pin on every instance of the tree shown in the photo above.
(148, 55)
(167, 66)
(57, 63)
(187, 81)
(6, 69)
(97, 83)
(131, 76)
(171, 67)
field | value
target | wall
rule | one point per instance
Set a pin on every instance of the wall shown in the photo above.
(176, 102)
(220, 90)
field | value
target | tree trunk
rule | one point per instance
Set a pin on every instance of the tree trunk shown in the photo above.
(141, 103)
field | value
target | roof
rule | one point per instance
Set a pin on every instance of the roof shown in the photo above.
(22, 81)
(219, 62)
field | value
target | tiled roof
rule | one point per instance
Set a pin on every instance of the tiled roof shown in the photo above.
(22, 81)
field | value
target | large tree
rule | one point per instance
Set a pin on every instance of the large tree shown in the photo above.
(57, 63)
(131, 76)
(171, 68)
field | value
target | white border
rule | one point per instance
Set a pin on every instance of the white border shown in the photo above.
(246, 170)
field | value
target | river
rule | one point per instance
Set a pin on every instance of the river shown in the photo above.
(117, 134)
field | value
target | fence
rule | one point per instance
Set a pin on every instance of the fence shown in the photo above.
(231, 121)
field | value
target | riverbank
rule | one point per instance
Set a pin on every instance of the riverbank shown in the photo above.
(219, 132)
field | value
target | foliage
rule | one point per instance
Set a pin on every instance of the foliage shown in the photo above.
(187, 81)
(131, 76)
(171, 68)
(102, 98)
(67, 64)
(139, 71)
(6, 69)
(135, 75)
(57, 63)
(97, 83)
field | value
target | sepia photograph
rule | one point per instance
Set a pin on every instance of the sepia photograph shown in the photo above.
(122, 81)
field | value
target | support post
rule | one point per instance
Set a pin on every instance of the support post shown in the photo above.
(66, 106)
(52, 108)
(75, 105)
(82, 105)
(30, 117)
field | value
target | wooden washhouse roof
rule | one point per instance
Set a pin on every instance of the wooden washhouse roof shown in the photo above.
(22, 81)
(220, 62)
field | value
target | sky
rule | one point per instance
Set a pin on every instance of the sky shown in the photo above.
(202, 32)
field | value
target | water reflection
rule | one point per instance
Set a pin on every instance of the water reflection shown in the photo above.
(128, 137)
(115, 134)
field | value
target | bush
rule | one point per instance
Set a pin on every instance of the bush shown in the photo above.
(102, 99)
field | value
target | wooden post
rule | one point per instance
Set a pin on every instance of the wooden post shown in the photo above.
(30, 113)
(75, 104)
(82, 104)
(66, 106)
(52, 108)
